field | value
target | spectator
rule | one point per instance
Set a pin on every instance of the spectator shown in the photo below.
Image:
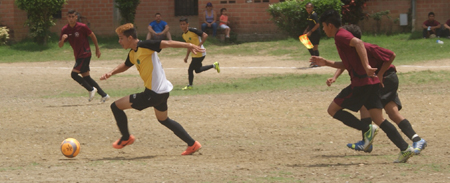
(209, 20)
(431, 26)
(224, 22)
(158, 29)
(446, 29)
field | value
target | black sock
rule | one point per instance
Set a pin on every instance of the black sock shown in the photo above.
(393, 135)
(81, 81)
(121, 120)
(89, 80)
(350, 120)
(407, 129)
(178, 130)
(191, 76)
(316, 52)
(311, 51)
(366, 121)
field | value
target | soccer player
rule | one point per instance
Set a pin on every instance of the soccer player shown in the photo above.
(196, 37)
(76, 33)
(363, 90)
(382, 59)
(143, 54)
(312, 30)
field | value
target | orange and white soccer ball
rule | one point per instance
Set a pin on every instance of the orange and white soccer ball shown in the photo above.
(70, 147)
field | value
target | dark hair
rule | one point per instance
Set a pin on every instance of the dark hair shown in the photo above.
(431, 13)
(72, 12)
(354, 29)
(331, 16)
(221, 10)
(309, 4)
(184, 19)
(157, 14)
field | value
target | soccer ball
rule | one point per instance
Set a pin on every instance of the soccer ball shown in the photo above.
(70, 147)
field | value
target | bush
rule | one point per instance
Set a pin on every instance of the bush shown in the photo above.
(352, 11)
(40, 17)
(4, 35)
(290, 16)
(127, 9)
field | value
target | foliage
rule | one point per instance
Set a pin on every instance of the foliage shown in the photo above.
(40, 17)
(127, 9)
(290, 16)
(352, 11)
(4, 35)
(378, 16)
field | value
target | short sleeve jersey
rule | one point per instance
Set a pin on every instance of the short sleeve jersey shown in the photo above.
(147, 62)
(77, 37)
(312, 20)
(158, 27)
(223, 18)
(429, 23)
(351, 60)
(378, 55)
(194, 36)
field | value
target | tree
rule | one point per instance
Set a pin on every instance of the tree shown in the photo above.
(127, 9)
(352, 11)
(40, 17)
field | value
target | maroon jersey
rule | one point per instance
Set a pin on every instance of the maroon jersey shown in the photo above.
(448, 22)
(77, 37)
(378, 55)
(429, 23)
(351, 61)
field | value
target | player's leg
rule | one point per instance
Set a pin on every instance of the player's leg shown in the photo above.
(214, 27)
(117, 109)
(169, 36)
(149, 36)
(77, 69)
(161, 111)
(190, 75)
(366, 121)
(84, 71)
(199, 66)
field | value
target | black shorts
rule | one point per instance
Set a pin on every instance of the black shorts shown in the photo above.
(315, 38)
(353, 98)
(82, 64)
(389, 92)
(196, 63)
(149, 98)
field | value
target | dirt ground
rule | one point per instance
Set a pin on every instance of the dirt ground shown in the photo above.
(269, 136)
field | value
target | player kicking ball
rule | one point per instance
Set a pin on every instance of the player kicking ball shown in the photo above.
(143, 55)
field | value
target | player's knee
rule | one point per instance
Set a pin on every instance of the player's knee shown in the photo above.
(331, 111)
(114, 107)
(74, 75)
(164, 121)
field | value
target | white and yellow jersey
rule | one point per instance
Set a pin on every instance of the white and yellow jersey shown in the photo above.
(194, 36)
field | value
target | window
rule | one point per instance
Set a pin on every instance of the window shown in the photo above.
(258, 1)
(186, 7)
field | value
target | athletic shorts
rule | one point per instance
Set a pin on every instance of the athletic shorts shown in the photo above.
(389, 92)
(315, 38)
(196, 63)
(149, 98)
(353, 98)
(82, 64)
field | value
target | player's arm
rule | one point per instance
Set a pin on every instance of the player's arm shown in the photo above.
(120, 68)
(62, 40)
(446, 26)
(150, 29)
(386, 66)
(166, 29)
(424, 26)
(316, 20)
(362, 52)
(97, 49)
(177, 44)
(316, 60)
(437, 26)
(335, 76)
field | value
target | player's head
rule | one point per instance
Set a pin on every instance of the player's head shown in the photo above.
(354, 29)
(431, 16)
(184, 24)
(72, 17)
(223, 11)
(158, 17)
(309, 7)
(331, 21)
(127, 34)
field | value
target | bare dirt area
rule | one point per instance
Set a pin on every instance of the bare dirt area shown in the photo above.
(268, 136)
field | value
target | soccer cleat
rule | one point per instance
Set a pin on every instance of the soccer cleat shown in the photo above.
(419, 146)
(369, 136)
(359, 146)
(405, 155)
(119, 144)
(92, 93)
(192, 149)
(188, 87)
(216, 66)
(104, 99)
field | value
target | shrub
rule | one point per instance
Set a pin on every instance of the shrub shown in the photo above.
(127, 9)
(40, 17)
(4, 35)
(290, 16)
(352, 11)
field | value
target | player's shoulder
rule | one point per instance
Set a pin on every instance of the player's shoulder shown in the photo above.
(192, 29)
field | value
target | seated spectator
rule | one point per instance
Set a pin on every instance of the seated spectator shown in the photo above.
(158, 29)
(446, 29)
(431, 26)
(224, 22)
(209, 20)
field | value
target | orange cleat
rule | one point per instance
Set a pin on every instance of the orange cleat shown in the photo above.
(119, 144)
(192, 149)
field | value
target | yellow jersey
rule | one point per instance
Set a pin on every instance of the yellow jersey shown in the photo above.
(194, 36)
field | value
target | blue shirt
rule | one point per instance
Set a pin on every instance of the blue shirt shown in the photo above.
(158, 27)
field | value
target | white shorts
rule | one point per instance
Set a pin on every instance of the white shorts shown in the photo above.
(223, 26)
